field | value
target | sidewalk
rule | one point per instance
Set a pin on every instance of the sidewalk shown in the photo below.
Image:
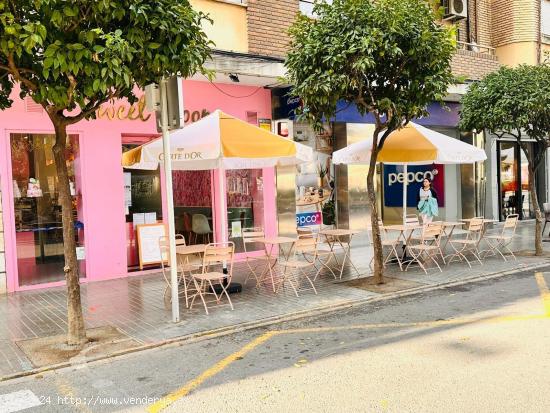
(135, 305)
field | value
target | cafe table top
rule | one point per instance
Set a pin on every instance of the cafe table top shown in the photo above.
(336, 232)
(274, 240)
(485, 220)
(190, 249)
(402, 227)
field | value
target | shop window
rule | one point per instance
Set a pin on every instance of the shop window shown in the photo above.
(193, 205)
(306, 7)
(245, 205)
(39, 235)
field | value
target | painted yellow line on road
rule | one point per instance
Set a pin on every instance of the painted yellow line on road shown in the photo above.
(544, 292)
(499, 319)
(221, 365)
(212, 371)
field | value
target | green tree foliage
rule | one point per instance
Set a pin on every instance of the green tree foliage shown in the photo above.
(390, 58)
(73, 56)
(514, 103)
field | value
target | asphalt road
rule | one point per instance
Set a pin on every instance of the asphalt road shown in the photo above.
(479, 347)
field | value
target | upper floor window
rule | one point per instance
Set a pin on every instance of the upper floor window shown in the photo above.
(306, 7)
(545, 17)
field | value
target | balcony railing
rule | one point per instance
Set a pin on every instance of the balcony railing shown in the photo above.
(477, 48)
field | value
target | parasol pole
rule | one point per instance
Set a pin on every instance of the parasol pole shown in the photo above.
(169, 201)
(405, 190)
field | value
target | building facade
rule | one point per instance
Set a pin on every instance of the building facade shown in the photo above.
(251, 40)
(109, 201)
(490, 33)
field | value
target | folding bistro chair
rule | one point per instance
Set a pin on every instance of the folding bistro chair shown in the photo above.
(185, 266)
(392, 243)
(324, 254)
(297, 268)
(470, 244)
(257, 258)
(499, 243)
(428, 248)
(215, 254)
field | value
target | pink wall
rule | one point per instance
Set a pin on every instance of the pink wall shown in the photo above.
(101, 173)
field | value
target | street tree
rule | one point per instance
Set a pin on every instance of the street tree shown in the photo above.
(514, 103)
(72, 57)
(389, 58)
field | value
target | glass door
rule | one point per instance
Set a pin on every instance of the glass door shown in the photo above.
(38, 228)
(514, 181)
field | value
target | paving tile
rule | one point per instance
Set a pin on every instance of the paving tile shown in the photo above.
(136, 304)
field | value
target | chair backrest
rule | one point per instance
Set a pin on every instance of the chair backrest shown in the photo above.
(475, 228)
(510, 225)
(432, 232)
(248, 236)
(412, 219)
(305, 231)
(219, 253)
(200, 224)
(187, 222)
(305, 244)
(546, 209)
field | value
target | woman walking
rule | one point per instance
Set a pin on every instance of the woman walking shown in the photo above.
(427, 202)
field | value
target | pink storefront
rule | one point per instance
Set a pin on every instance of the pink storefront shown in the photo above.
(107, 199)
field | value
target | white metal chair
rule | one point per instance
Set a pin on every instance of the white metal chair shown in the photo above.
(324, 254)
(428, 248)
(254, 259)
(499, 243)
(186, 266)
(389, 241)
(297, 268)
(215, 254)
(470, 244)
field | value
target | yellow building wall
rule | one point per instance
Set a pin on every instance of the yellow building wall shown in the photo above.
(229, 29)
(517, 53)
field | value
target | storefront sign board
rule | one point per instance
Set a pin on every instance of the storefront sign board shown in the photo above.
(393, 178)
(148, 243)
(308, 219)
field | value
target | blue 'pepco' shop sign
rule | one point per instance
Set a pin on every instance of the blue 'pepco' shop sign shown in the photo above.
(394, 178)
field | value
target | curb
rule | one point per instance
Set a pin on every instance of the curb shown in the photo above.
(236, 328)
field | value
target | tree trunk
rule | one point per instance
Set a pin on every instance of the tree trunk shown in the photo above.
(534, 200)
(76, 334)
(376, 240)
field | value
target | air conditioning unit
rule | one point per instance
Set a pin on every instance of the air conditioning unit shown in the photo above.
(455, 9)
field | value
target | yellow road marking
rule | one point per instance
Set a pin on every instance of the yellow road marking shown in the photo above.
(221, 365)
(212, 371)
(454, 321)
(544, 292)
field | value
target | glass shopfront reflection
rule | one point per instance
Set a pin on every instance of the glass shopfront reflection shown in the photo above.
(193, 205)
(245, 205)
(514, 181)
(38, 228)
